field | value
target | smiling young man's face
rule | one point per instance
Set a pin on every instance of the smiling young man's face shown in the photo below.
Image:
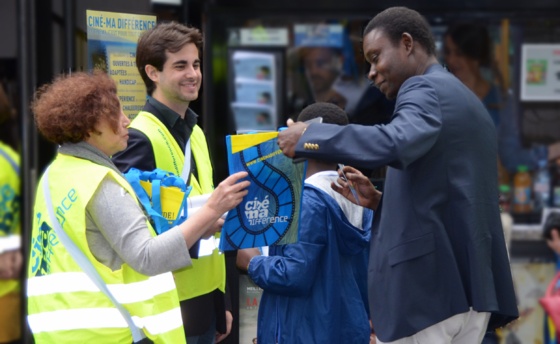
(180, 80)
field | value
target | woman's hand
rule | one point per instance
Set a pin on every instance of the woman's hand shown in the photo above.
(207, 221)
(229, 193)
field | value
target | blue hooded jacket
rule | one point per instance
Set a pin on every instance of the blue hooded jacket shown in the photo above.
(315, 291)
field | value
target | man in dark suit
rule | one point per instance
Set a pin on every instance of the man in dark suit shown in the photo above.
(439, 270)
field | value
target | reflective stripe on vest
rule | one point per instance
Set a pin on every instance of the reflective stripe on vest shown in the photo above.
(11, 157)
(197, 279)
(10, 243)
(63, 304)
(96, 318)
(68, 282)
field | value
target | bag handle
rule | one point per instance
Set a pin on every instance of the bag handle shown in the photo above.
(167, 178)
(156, 200)
(158, 178)
(133, 176)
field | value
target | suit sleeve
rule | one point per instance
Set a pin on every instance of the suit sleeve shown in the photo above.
(293, 271)
(413, 130)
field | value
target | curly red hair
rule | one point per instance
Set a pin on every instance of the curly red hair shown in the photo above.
(69, 108)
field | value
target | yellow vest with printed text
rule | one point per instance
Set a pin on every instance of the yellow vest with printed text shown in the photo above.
(207, 273)
(10, 193)
(64, 305)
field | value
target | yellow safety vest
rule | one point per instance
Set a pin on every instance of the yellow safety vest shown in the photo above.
(10, 193)
(207, 273)
(64, 305)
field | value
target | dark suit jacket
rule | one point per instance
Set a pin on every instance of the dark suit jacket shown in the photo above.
(437, 244)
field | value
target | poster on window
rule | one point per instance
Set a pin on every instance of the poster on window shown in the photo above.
(540, 72)
(111, 40)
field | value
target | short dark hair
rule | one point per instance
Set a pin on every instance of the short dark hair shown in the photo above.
(473, 41)
(395, 21)
(331, 113)
(152, 45)
(552, 222)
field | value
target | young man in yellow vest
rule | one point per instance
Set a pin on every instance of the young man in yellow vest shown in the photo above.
(165, 135)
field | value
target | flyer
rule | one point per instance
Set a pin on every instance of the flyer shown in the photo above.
(269, 213)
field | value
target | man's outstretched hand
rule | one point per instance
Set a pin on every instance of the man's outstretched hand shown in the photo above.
(288, 138)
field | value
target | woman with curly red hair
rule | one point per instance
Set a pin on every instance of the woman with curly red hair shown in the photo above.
(84, 201)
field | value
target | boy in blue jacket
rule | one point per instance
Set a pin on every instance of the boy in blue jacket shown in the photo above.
(315, 290)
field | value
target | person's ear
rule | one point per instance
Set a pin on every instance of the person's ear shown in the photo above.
(151, 72)
(408, 42)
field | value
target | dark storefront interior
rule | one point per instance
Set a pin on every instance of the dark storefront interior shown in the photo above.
(46, 37)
